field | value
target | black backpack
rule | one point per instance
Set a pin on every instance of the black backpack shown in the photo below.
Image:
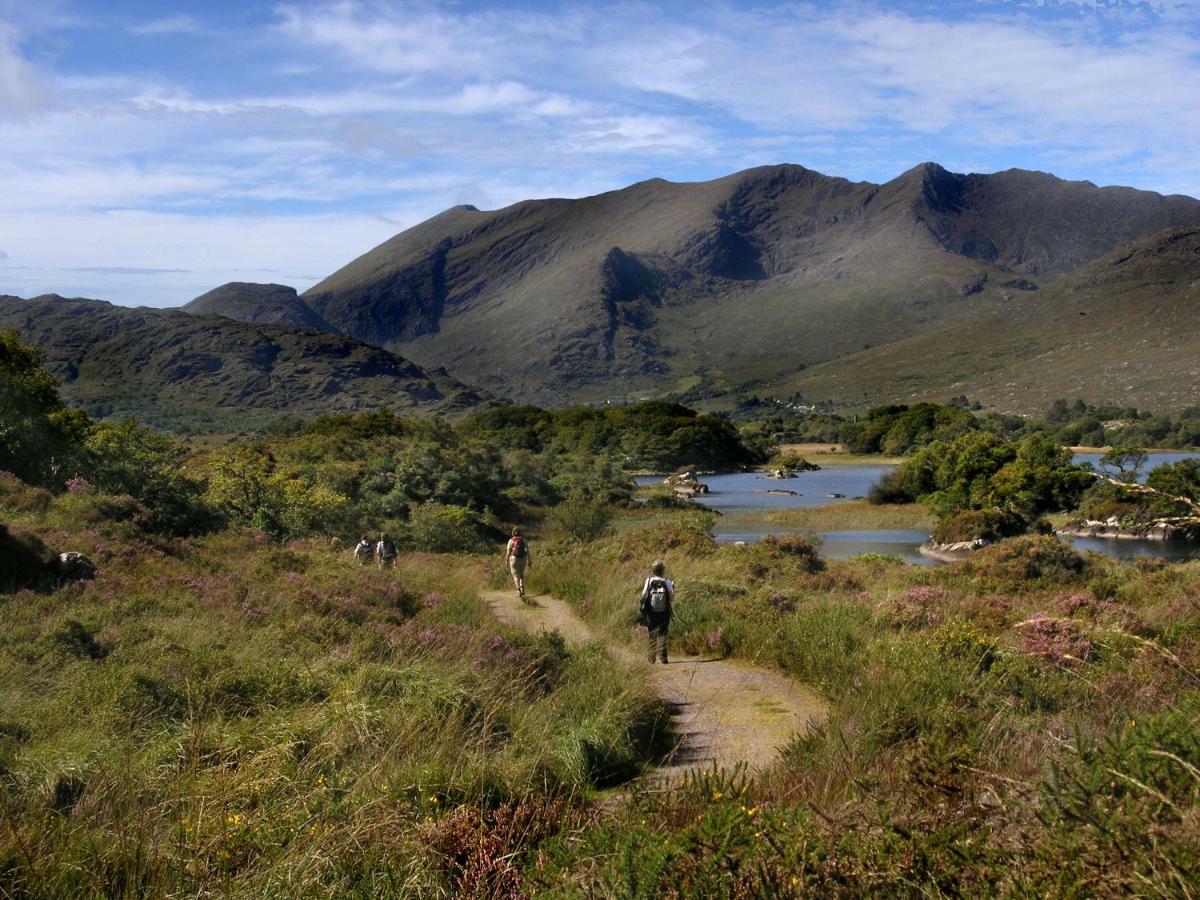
(658, 598)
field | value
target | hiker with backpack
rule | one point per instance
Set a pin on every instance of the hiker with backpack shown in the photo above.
(363, 551)
(516, 557)
(385, 551)
(658, 598)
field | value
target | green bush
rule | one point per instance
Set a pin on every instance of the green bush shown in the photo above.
(971, 524)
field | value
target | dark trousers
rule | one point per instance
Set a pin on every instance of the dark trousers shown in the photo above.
(658, 623)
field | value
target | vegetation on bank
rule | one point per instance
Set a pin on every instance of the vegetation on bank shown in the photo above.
(899, 429)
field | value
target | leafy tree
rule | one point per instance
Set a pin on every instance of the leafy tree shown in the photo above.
(1178, 479)
(1123, 463)
(40, 440)
(128, 458)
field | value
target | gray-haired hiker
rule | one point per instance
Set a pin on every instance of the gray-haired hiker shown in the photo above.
(658, 597)
(385, 552)
(363, 551)
(516, 557)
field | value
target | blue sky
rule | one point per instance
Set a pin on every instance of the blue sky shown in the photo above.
(152, 151)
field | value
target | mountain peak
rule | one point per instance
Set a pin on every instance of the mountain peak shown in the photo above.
(272, 304)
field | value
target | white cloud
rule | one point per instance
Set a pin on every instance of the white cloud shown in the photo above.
(177, 24)
(358, 117)
(22, 89)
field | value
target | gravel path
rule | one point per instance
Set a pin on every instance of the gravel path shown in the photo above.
(725, 712)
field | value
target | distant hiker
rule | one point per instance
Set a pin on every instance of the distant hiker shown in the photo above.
(516, 557)
(658, 598)
(385, 551)
(363, 551)
(335, 544)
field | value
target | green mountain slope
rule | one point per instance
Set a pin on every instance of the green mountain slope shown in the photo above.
(662, 287)
(176, 370)
(1124, 328)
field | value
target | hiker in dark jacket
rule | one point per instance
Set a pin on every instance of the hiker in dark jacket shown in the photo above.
(658, 599)
(516, 557)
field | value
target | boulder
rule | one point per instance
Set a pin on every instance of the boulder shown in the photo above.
(75, 566)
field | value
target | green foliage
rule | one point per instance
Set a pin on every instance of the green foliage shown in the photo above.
(39, 437)
(971, 524)
(440, 528)
(1178, 479)
(246, 486)
(979, 471)
(583, 516)
(127, 458)
(654, 436)
(896, 430)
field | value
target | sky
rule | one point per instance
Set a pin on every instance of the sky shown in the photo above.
(152, 151)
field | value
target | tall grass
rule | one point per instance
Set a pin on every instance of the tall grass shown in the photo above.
(228, 715)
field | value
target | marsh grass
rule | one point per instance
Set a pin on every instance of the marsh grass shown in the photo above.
(854, 515)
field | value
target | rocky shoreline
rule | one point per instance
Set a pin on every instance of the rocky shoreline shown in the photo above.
(951, 552)
(1184, 529)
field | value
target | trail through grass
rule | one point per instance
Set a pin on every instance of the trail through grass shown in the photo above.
(724, 713)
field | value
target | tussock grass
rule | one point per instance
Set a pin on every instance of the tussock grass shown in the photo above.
(229, 715)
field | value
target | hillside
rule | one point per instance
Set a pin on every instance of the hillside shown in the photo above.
(176, 370)
(664, 287)
(269, 304)
(1122, 328)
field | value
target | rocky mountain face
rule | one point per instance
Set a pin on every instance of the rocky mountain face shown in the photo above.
(663, 286)
(174, 369)
(268, 304)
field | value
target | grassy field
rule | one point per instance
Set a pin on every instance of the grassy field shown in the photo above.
(228, 715)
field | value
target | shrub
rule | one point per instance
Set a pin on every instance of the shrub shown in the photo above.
(583, 517)
(972, 524)
(450, 529)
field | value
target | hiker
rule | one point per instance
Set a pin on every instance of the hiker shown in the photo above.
(385, 551)
(363, 551)
(658, 596)
(516, 557)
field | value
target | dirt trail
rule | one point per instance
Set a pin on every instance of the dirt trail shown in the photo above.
(725, 712)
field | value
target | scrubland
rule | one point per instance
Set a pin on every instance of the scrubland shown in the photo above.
(232, 714)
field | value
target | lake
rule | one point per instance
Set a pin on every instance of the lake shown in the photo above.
(742, 498)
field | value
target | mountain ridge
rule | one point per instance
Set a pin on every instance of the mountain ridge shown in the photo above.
(637, 290)
(175, 369)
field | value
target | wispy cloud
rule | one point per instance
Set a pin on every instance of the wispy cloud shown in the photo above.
(171, 25)
(22, 90)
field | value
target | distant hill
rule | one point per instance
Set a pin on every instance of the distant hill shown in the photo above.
(269, 304)
(1124, 328)
(750, 279)
(177, 370)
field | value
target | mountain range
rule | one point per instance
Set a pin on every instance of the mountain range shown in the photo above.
(1014, 288)
(746, 280)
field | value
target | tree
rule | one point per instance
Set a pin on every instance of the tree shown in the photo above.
(40, 440)
(1123, 463)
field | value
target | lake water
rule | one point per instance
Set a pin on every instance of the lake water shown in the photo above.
(742, 497)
